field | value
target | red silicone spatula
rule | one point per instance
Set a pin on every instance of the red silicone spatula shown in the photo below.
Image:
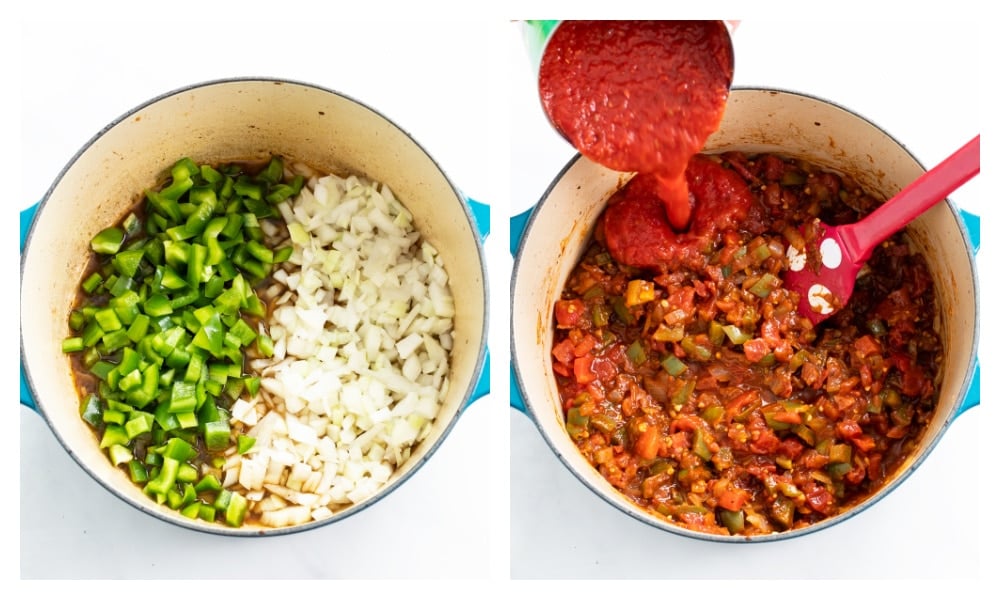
(845, 248)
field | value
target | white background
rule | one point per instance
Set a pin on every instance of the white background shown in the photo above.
(493, 503)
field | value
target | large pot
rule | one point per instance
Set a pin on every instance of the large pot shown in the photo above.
(214, 122)
(555, 232)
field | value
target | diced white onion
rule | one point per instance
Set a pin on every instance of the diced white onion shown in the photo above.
(361, 324)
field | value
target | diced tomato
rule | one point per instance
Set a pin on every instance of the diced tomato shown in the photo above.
(791, 448)
(563, 352)
(818, 498)
(741, 402)
(867, 345)
(863, 443)
(787, 416)
(755, 349)
(568, 312)
(875, 466)
(585, 345)
(582, 369)
(848, 429)
(647, 444)
(604, 368)
(732, 498)
(814, 460)
(763, 440)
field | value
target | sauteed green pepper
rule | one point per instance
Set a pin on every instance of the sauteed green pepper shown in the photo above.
(161, 326)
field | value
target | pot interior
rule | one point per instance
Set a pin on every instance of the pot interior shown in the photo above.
(756, 120)
(214, 123)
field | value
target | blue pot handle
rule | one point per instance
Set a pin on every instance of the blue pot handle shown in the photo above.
(480, 214)
(27, 217)
(517, 225)
(971, 222)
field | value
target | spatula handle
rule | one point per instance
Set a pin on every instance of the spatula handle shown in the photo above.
(927, 190)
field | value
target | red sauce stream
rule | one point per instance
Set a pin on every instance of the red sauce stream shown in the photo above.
(639, 96)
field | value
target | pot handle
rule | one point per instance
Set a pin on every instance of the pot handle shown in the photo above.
(518, 223)
(971, 222)
(27, 217)
(481, 216)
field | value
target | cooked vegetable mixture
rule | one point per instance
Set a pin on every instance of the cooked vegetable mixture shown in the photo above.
(691, 383)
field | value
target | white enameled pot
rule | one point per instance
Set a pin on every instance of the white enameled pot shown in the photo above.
(554, 232)
(216, 122)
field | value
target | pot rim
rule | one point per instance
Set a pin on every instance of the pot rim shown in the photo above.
(479, 370)
(641, 515)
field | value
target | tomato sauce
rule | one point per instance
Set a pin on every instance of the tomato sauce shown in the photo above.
(691, 383)
(639, 96)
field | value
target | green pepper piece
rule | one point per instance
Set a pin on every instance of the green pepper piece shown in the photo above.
(187, 474)
(699, 446)
(179, 450)
(673, 365)
(244, 443)
(236, 510)
(636, 353)
(165, 479)
(192, 510)
(206, 512)
(273, 172)
(72, 344)
(90, 410)
(211, 334)
(265, 345)
(108, 319)
(182, 397)
(736, 335)
(137, 471)
(108, 241)
(127, 262)
(603, 423)
(763, 287)
(92, 282)
(222, 499)
(285, 252)
(184, 168)
(716, 333)
(139, 423)
(217, 436)
(733, 520)
(114, 434)
(119, 454)
(681, 396)
(621, 310)
(208, 483)
(92, 334)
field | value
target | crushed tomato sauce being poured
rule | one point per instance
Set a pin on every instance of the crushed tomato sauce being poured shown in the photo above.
(639, 96)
